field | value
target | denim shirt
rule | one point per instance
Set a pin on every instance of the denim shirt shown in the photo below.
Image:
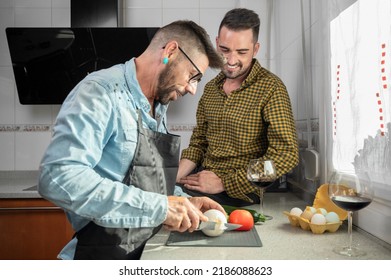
(93, 144)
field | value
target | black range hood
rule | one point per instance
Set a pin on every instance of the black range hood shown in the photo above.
(49, 62)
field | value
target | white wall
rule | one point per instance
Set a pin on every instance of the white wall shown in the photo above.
(25, 130)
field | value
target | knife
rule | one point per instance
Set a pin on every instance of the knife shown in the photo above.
(211, 226)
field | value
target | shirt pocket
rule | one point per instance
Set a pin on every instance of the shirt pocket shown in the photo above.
(128, 147)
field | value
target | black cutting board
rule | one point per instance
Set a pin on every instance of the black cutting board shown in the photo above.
(227, 239)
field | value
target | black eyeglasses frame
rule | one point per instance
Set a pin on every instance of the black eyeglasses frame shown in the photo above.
(197, 77)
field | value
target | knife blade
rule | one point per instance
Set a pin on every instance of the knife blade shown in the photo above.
(212, 225)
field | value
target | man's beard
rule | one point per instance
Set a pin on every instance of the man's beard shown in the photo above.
(236, 74)
(163, 92)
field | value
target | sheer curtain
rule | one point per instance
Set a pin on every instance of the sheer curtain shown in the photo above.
(357, 108)
(342, 105)
(360, 89)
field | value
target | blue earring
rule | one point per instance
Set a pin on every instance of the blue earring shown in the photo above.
(165, 60)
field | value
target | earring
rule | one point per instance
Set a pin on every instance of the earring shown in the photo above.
(165, 60)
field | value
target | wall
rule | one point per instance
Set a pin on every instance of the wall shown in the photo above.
(25, 130)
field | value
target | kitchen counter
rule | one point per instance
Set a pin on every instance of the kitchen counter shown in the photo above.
(18, 184)
(280, 240)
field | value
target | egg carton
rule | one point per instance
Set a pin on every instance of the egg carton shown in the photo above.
(306, 225)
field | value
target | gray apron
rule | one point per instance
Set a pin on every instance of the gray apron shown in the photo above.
(153, 169)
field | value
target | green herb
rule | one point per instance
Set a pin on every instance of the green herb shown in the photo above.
(257, 217)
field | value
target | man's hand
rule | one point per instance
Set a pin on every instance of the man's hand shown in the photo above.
(185, 214)
(205, 203)
(204, 181)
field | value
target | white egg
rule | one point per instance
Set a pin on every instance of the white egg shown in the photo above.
(321, 211)
(312, 209)
(332, 217)
(296, 211)
(318, 219)
(215, 216)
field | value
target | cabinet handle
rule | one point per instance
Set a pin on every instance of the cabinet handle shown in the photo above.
(30, 208)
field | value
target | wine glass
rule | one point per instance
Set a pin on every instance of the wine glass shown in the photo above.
(350, 191)
(261, 173)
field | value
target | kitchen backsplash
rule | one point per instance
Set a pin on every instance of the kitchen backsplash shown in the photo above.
(25, 128)
(22, 145)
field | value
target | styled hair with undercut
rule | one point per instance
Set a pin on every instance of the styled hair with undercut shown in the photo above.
(191, 37)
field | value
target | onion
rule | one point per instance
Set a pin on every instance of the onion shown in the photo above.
(218, 217)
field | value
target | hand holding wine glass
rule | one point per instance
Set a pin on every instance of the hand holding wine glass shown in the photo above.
(350, 191)
(261, 173)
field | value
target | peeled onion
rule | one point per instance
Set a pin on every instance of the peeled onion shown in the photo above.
(218, 217)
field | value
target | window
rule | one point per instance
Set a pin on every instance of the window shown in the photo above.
(360, 42)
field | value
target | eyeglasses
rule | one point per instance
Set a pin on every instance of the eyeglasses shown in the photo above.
(197, 77)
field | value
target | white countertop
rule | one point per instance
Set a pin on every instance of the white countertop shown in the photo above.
(13, 184)
(280, 240)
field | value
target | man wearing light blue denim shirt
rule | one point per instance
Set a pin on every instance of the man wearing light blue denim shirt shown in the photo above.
(96, 137)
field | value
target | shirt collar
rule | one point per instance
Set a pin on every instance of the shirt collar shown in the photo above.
(256, 69)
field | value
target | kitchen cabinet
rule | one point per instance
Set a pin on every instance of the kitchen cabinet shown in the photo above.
(32, 229)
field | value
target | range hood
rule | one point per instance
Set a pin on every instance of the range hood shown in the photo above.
(49, 62)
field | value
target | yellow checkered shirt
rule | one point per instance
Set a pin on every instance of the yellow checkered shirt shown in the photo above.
(254, 121)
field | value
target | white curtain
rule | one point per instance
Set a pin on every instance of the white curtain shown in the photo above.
(360, 42)
(357, 113)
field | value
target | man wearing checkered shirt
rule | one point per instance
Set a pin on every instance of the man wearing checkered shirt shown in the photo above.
(244, 113)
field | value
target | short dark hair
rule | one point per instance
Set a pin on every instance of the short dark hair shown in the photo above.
(191, 37)
(242, 19)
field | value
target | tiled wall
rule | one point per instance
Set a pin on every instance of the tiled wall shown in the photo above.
(25, 130)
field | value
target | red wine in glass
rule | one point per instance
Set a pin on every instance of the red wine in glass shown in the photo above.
(261, 173)
(351, 203)
(351, 191)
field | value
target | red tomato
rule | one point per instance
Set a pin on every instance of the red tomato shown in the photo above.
(242, 217)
